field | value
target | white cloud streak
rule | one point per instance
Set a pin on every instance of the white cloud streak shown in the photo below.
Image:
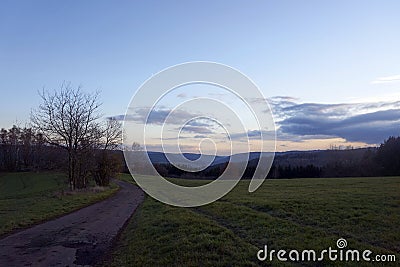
(387, 79)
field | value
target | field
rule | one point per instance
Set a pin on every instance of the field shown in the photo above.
(283, 214)
(29, 198)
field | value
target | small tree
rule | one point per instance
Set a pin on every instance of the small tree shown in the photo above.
(136, 147)
(108, 164)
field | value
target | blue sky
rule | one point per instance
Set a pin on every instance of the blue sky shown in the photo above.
(315, 52)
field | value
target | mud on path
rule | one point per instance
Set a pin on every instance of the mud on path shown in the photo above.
(79, 238)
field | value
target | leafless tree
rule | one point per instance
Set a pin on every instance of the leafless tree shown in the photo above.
(108, 163)
(112, 134)
(69, 119)
(136, 147)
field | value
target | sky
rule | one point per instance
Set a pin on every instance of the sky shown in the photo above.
(329, 69)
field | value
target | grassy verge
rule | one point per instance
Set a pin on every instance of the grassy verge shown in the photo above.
(283, 214)
(30, 198)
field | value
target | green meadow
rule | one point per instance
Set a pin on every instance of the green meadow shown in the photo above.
(283, 214)
(28, 198)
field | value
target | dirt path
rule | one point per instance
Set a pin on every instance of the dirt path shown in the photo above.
(80, 238)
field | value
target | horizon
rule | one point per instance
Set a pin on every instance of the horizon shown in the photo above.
(339, 148)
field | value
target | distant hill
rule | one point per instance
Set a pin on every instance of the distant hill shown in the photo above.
(294, 158)
(161, 158)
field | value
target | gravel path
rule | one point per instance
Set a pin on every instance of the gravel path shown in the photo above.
(80, 238)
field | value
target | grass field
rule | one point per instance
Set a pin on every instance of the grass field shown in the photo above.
(283, 214)
(28, 198)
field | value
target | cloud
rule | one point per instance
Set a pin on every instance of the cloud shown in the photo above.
(365, 122)
(200, 136)
(253, 135)
(386, 79)
(199, 122)
(157, 116)
(182, 95)
(271, 100)
(172, 148)
(187, 122)
(197, 129)
(369, 123)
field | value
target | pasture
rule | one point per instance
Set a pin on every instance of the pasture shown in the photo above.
(28, 198)
(283, 214)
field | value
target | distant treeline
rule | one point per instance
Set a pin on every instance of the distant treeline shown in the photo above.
(23, 149)
(382, 161)
(311, 171)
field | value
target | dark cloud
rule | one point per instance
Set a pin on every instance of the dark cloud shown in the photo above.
(200, 136)
(182, 95)
(193, 123)
(197, 129)
(353, 122)
(199, 123)
(252, 134)
(157, 116)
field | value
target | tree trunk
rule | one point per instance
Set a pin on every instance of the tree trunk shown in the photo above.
(71, 177)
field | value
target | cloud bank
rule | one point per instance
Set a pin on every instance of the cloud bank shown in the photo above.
(370, 123)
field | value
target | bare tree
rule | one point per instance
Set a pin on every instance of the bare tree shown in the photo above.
(136, 147)
(112, 134)
(69, 119)
(108, 163)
